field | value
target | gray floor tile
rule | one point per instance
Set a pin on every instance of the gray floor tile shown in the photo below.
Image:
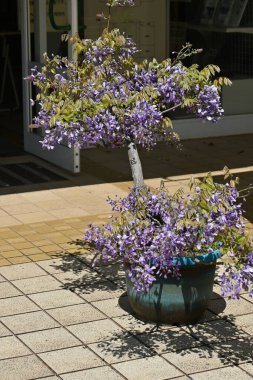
(170, 340)
(70, 315)
(37, 284)
(79, 279)
(114, 307)
(16, 305)
(28, 322)
(148, 368)
(214, 331)
(248, 367)
(71, 359)
(56, 298)
(4, 331)
(196, 359)
(24, 368)
(53, 266)
(19, 271)
(238, 351)
(244, 322)
(134, 325)
(50, 378)
(121, 349)
(11, 347)
(8, 290)
(233, 307)
(101, 291)
(95, 331)
(93, 374)
(227, 373)
(47, 340)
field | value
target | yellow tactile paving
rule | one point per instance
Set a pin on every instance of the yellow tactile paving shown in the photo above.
(41, 241)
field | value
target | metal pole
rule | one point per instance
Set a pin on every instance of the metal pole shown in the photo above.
(73, 21)
(26, 57)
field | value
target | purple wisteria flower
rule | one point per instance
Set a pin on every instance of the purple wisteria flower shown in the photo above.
(155, 227)
(107, 97)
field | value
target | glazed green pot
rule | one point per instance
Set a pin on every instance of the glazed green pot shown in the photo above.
(172, 300)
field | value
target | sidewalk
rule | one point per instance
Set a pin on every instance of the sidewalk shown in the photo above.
(61, 320)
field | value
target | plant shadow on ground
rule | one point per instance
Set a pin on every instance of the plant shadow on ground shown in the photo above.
(213, 335)
(78, 276)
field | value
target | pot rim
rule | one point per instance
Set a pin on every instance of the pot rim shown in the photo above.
(206, 258)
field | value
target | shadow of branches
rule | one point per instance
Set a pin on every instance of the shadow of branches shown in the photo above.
(77, 276)
(211, 336)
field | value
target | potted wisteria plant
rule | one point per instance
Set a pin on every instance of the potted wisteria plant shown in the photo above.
(168, 244)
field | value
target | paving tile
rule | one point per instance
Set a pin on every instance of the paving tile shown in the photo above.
(39, 257)
(134, 325)
(120, 349)
(70, 315)
(19, 260)
(196, 359)
(78, 274)
(248, 367)
(9, 254)
(40, 243)
(24, 368)
(227, 373)
(28, 322)
(101, 291)
(11, 347)
(16, 239)
(17, 272)
(4, 331)
(238, 351)
(22, 245)
(93, 374)
(96, 330)
(7, 233)
(8, 221)
(8, 290)
(247, 298)
(244, 322)
(17, 305)
(53, 266)
(71, 359)
(48, 340)
(31, 251)
(21, 208)
(50, 248)
(4, 262)
(50, 378)
(37, 196)
(37, 284)
(170, 340)
(147, 368)
(55, 298)
(6, 248)
(33, 217)
(2, 279)
(215, 331)
(69, 212)
(114, 307)
(233, 307)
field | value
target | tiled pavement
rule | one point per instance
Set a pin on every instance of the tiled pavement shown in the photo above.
(61, 320)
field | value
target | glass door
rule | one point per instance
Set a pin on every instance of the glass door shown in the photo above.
(42, 23)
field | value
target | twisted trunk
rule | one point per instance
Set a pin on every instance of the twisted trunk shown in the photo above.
(135, 164)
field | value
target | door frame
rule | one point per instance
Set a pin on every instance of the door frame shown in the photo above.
(62, 156)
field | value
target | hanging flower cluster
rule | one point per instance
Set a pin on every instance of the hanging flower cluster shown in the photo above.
(107, 97)
(155, 227)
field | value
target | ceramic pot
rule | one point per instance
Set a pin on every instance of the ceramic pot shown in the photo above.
(173, 300)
